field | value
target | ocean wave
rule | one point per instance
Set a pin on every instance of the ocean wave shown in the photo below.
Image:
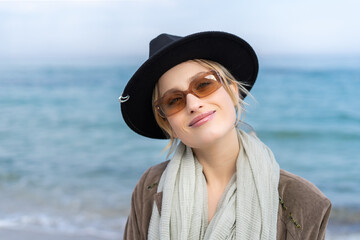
(56, 224)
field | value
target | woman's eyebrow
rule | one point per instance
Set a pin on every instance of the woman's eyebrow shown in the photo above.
(195, 76)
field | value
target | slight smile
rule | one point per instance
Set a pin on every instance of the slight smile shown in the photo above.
(202, 118)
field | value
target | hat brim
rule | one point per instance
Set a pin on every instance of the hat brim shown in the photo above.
(232, 52)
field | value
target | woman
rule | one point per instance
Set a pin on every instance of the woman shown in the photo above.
(221, 182)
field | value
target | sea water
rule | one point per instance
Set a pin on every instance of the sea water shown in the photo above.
(69, 163)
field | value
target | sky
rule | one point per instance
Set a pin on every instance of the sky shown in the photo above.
(48, 30)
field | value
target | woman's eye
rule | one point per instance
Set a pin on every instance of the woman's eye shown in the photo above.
(203, 85)
(173, 101)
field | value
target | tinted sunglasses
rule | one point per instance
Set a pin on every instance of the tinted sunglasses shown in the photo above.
(174, 101)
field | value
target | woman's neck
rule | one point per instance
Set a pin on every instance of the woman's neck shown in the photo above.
(219, 159)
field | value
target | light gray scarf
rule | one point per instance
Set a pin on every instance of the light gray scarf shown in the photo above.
(247, 209)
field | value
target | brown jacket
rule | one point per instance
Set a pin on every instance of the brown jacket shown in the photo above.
(303, 209)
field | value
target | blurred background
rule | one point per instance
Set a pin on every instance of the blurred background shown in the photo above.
(68, 162)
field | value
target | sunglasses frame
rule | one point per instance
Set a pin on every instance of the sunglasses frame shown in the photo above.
(213, 72)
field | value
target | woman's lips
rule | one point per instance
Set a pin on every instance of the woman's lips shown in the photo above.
(202, 118)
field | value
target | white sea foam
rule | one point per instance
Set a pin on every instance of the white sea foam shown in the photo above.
(51, 224)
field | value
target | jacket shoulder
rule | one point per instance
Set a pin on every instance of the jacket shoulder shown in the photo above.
(304, 208)
(151, 177)
(299, 188)
(142, 202)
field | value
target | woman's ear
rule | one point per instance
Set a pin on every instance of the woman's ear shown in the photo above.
(234, 87)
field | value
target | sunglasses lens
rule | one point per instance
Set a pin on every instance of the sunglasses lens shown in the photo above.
(206, 85)
(172, 103)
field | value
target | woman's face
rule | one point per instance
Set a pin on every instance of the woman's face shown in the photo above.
(203, 121)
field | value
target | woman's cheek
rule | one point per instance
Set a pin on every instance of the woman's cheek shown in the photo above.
(176, 125)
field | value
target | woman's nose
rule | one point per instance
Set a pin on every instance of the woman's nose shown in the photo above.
(193, 103)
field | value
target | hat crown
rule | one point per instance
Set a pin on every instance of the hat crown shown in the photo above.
(161, 41)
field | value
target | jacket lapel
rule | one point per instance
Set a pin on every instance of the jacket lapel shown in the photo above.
(158, 201)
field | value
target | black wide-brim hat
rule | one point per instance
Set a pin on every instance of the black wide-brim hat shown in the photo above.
(167, 51)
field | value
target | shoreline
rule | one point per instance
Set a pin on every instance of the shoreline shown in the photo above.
(18, 234)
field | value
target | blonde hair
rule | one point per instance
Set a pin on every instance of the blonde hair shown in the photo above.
(228, 81)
